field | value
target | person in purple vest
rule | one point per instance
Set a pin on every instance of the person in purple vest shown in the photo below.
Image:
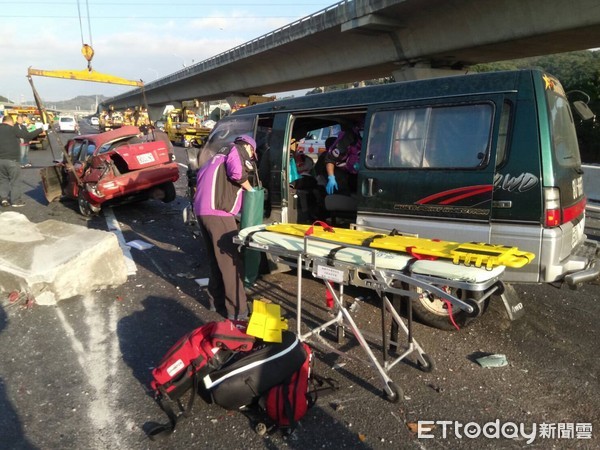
(218, 199)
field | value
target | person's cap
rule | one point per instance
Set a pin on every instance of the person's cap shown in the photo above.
(245, 139)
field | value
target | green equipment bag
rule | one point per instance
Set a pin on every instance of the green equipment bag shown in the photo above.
(252, 214)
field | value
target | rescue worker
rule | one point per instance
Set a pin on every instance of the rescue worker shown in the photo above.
(340, 162)
(10, 155)
(218, 199)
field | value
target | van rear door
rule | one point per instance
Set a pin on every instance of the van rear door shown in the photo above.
(429, 165)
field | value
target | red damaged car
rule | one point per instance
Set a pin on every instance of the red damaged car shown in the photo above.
(112, 167)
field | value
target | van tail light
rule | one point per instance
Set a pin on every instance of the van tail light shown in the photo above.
(552, 213)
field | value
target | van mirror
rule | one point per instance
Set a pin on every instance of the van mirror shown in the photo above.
(583, 110)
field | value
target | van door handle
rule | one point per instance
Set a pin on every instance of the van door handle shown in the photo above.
(369, 192)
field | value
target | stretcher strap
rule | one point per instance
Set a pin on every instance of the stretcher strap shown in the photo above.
(411, 251)
(248, 238)
(450, 315)
(367, 242)
(326, 227)
(332, 253)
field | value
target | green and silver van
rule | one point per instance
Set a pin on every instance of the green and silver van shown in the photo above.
(474, 158)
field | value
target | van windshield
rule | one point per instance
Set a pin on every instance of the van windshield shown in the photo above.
(226, 130)
(562, 128)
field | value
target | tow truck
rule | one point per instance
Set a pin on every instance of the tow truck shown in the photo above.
(110, 120)
(34, 118)
(182, 126)
(239, 102)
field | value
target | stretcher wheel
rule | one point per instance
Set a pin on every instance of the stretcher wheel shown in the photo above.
(429, 363)
(339, 331)
(261, 429)
(396, 393)
(477, 311)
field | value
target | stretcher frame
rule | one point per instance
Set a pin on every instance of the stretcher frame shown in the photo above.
(384, 282)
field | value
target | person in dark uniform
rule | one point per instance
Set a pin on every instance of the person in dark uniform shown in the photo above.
(10, 160)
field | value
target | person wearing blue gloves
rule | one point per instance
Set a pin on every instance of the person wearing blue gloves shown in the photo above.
(341, 162)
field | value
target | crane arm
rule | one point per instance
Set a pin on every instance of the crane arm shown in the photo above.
(84, 75)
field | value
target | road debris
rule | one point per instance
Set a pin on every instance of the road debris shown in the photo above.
(495, 360)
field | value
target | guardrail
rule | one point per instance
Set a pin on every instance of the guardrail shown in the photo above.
(591, 186)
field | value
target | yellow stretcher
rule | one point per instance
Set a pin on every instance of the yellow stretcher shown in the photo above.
(468, 253)
(386, 273)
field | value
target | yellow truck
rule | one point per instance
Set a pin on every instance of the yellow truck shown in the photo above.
(111, 119)
(182, 126)
(33, 120)
(137, 117)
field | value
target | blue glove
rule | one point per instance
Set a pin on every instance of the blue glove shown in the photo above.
(331, 185)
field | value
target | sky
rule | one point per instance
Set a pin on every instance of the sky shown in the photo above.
(133, 39)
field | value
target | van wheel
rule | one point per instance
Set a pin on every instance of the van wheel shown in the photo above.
(433, 311)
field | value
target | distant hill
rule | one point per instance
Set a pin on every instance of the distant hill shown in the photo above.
(81, 102)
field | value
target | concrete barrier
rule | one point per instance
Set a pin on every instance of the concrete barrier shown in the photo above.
(54, 260)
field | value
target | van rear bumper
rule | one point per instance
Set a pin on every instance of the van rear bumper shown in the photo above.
(591, 250)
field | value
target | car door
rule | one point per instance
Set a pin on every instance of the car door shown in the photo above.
(429, 165)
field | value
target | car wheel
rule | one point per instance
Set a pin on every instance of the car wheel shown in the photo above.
(170, 194)
(433, 311)
(85, 208)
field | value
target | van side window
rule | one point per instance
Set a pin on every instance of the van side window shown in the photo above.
(441, 137)
(503, 133)
(380, 138)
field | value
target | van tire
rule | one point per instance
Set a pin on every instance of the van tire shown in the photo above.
(432, 311)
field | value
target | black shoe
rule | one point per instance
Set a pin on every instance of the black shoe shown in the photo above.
(18, 204)
(5, 203)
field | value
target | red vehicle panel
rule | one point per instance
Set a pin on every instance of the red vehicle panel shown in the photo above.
(119, 164)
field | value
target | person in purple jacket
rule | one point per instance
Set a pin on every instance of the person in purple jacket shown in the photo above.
(219, 186)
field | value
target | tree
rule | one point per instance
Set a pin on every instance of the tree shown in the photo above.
(578, 72)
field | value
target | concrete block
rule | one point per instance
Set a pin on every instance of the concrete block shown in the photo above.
(54, 260)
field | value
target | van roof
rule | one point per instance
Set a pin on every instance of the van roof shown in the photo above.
(406, 90)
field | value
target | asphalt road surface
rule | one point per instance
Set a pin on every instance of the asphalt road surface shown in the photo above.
(75, 375)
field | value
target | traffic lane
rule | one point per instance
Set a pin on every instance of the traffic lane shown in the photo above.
(552, 376)
(547, 378)
(121, 333)
(97, 350)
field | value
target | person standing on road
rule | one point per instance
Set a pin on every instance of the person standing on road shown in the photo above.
(24, 146)
(218, 199)
(10, 167)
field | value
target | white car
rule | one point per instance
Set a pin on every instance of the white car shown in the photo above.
(313, 144)
(94, 121)
(67, 124)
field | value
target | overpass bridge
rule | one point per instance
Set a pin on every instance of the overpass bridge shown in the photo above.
(355, 40)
